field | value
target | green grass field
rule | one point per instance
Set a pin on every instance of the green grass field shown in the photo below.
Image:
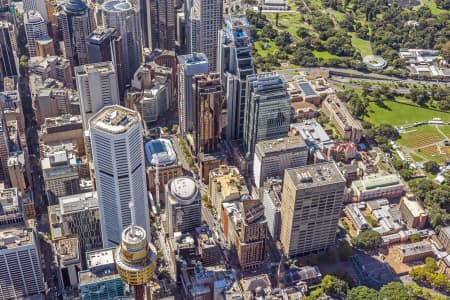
(259, 46)
(445, 130)
(398, 113)
(362, 45)
(420, 136)
(431, 4)
(324, 54)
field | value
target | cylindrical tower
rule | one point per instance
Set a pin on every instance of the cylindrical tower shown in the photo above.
(183, 205)
(135, 259)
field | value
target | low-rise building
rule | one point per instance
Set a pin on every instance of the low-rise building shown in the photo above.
(343, 152)
(256, 287)
(160, 153)
(378, 186)
(54, 67)
(202, 283)
(349, 127)
(415, 251)
(444, 237)
(296, 275)
(353, 212)
(63, 128)
(225, 184)
(11, 210)
(412, 212)
(273, 156)
(425, 62)
(100, 280)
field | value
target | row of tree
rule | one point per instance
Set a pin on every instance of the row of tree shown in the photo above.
(427, 275)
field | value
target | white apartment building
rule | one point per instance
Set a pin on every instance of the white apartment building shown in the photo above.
(119, 164)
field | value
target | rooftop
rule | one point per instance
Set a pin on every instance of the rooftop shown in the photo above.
(184, 188)
(101, 67)
(278, 145)
(68, 250)
(160, 152)
(307, 89)
(415, 248)
(117, 6)
(315, 175)
(313, 134)
(192, 59)
(101, 266)
(413, 206)
(13, 237)
(377, 180)
(114, 119)
(78, 202)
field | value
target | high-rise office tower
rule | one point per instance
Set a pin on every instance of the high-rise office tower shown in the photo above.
(35, 29)
(119, 164)
(98, 87)
(36, 5)
(183, 205)
(235, 63)
(102, 43)
(205, 21)
(124, 17)
(21, 274)
(75, 25)
(146, 22)
(208, 100)
(311, 205)
(163, 24)
(268, 108)
(189, 66)
(272, 157)
(8, 49)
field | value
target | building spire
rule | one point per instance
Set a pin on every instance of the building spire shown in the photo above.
(133, 221)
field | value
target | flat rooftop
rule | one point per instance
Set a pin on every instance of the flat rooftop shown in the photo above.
(307, 89)
(414, 207)
(415, 248)
(68, 249)
(78, 202)
(315, 175)
(184, 188)
(114, 119)
(278, 145)
(101, 266)
(13, 237)
(101, 67)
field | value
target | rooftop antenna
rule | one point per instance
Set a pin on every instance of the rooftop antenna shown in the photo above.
(133, 221)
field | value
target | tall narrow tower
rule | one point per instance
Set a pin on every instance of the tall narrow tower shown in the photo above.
(135, 257)
(118, 153)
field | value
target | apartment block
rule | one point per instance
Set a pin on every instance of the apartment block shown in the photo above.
(311, 206)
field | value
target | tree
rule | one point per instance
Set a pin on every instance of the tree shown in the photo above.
(174, 128)
(415, 238)
(344, 275)
(406, 174)
(394, 291)
(367, 240)
(445, 48)
(334, 286)
(283, 39)
(431, 167)
(269, 32)
(23, 65)
(362, 293)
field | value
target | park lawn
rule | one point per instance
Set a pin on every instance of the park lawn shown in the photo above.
(416, 157)
(445, 130)
(397, 114)
(432, 153)
(420, 137)
(289, 22)
(431, 4)
(259, 46)
(362, 45)
(324, 54)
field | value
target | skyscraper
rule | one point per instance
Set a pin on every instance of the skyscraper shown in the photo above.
(124, 17)
(119, 164)
(35, 28)
(8, 49)
(183, 205)
(189, 66)
(235, 63)
(102, 43)
(205, 20)
(36, 5)
(97, 86)
(208, 99)
(267, 112)
(163, 24)
(311, 205)
(21, 274)
(75, 26)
